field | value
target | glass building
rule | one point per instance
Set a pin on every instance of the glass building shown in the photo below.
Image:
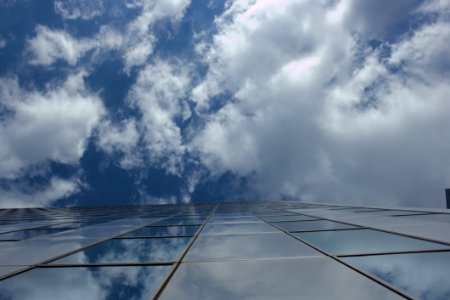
(238, 250)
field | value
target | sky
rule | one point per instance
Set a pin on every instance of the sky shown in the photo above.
(106, 102)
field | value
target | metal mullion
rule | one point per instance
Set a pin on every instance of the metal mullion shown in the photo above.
(294, 221)
(158, 291)
(420, 214)
(393, 252)
(121, 264)
(334, 257)
(320, 230)
(214, 260)
(170, 225)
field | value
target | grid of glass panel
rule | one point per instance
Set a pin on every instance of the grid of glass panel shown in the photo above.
(239, 250)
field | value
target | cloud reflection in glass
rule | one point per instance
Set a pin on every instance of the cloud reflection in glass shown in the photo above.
(129, 251)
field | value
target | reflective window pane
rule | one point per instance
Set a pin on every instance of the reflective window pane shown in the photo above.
(313, 225)
(164, 231)
(437, 231)
(312, 278)
(238, 228)
(134, 282)
(422, 275)
(289, 218)
(365, 241)
(263, 245)
(225, 220)
(129, 251)
(28, 233)
(180, 222)
(37, 250)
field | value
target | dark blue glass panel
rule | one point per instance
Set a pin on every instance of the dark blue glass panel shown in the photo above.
(112, 283)
(164, 231)
(129, 251)
(422, 275)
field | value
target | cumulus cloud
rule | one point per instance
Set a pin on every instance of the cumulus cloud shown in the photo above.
(41, 126)
(123, 139)
(140, 38)
(49, 46)
(135, 43)
(319, 115)
(160, 94)
(15, 196)
(79, 9)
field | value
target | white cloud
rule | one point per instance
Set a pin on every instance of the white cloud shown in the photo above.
(159, 93)
(122, 138)
(79, 9)
(135, 43)
(42, 126)
(2, 43)
(17, 196)
(319, 115)
(140, 38)
(49, 46)
(46, 125)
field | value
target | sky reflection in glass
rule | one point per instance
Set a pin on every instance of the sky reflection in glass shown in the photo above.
(262, 245)
(423, 275)
(129, 250)
(86, 283)
(313, 225)
(180, 222)
(305, 278)
(164, 231)
(28, 233)
(365, 240)
(238, 228)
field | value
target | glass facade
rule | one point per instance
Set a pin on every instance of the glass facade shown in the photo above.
(238, 250)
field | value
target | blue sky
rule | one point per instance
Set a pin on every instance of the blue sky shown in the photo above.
(177, 101)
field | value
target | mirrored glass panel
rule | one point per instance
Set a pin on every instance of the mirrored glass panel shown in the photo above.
(311, 278)
(5, 270)
(422, 275)
(180, 222)
(313, 225)
(224, 220)
(365, 241)
(37, 250)
(238, 228)
(289, 218)
(164, 231)
(436, 218)
(431, 230)
(262, 245)
(96, 231)
(96, 283)
(129, 251)
(27, 233)
(70, 225)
